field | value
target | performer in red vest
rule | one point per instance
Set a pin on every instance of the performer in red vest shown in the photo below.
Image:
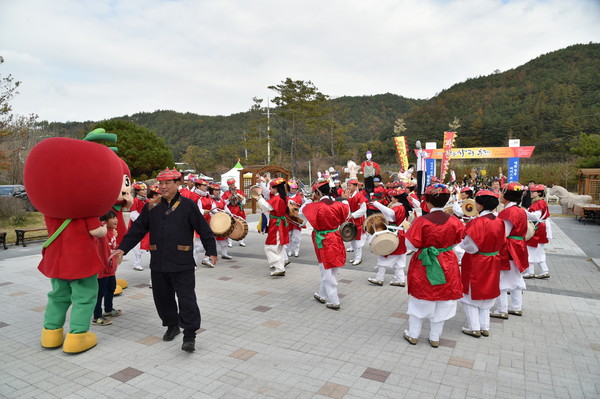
(140, 193)
(481, 264)
(434, 283)
(218, 205)
(325, 216)
(358, 208)
(187, 190)
(205, 204)
(396, 214)
(235, 200)
(295, 199)
(277, 233)
(538, 213)
(513, 254)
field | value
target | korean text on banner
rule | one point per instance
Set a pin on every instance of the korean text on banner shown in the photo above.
(448, 143)
(402, 150)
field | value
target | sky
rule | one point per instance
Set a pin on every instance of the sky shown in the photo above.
(81, 60)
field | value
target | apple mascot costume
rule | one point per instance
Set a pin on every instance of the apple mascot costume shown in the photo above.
(70, 257)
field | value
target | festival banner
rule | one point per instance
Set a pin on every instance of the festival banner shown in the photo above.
(513, 169)
(430, 169)
(483, 152)
(402, 149)
(447, 149)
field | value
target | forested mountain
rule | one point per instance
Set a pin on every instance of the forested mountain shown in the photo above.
(546, 102)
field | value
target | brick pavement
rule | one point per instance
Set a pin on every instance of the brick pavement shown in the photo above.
(266, 337)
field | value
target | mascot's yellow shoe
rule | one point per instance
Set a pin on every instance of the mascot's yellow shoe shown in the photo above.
(52, 339)
(121, 282)
(118, 290)
(77, 343)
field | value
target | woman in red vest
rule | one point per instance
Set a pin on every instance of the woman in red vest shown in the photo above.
(481, 264)
(538, 213)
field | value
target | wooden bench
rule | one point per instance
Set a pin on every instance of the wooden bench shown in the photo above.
(21, 235)
(3, 239)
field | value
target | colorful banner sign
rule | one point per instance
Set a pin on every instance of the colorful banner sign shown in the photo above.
(446, 154)
(483, 152)
(513, 169)
(402, 149)
(430, 169)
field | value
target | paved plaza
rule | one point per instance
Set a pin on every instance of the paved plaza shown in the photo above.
(267, 337)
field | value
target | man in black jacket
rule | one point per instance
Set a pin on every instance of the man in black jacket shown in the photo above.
(171, 223)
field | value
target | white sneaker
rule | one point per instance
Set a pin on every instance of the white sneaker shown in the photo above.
(230, 245)
(296, 254)
(207, 263)
(349, 250)
(357, 262)
(138, 268)
(242, 244)
(289, 253)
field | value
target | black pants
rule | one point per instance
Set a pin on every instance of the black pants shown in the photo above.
(106, 291)
(164, 288)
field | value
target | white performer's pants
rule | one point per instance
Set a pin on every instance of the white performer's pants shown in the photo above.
(537, 255)
(137, 257)
(357, 246)
(510, 280)
(477, 312)
(222, 245)
(328, 286)
(436, 311)
(396, 262)
(198, 248)
(294, 245)
(276, 256)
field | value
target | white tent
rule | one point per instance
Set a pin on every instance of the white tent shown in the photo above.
(234, 173)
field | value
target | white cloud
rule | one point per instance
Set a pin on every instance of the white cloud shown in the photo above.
(88, 60)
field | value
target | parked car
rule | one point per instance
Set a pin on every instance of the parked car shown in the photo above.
(18, 191)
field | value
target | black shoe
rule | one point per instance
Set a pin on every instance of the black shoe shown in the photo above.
(172, 332)
(189, 346)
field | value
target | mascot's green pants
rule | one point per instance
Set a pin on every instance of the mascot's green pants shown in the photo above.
(82, 294)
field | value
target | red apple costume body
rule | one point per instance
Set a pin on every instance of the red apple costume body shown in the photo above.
(70, 257)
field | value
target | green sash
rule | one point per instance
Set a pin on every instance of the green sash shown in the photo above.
(280, 218)
(57, 233)
(488, 253)
(428, 257)
(320, 236)
(516, 237)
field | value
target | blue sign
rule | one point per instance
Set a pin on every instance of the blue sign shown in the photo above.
(430, 169)
(513, 169)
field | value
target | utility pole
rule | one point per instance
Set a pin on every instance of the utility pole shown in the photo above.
(268, 132)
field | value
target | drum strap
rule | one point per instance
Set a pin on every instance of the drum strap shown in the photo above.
(428, 257)
(516, 237)
(488, 253)
(280, 218)
(320, 236)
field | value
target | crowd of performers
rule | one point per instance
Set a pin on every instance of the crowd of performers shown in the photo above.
(475, 259)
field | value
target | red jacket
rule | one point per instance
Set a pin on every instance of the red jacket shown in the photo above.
(277, 222)
(328, 215)
(74, 253)
(515, 248)
(106, 245)
(482, 272)
(540, 236)
(440, 230)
